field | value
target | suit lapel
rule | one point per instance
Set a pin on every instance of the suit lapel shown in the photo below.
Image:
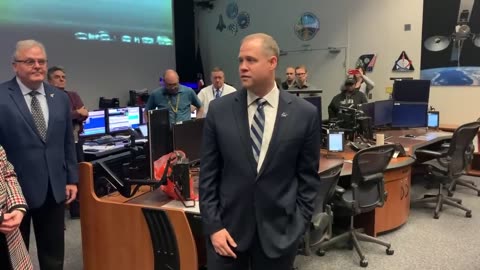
(51, 100)
(281, 127)
(19, 101)
(240, 111)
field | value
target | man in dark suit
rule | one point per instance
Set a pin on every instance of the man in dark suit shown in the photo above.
(36, 132)
(258, 176)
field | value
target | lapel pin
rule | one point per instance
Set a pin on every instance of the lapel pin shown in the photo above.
(51, 95)
(284, 114)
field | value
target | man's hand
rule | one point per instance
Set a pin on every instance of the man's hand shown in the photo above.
(11, 221)
(71, 192)
(83, 111)
(222, 241)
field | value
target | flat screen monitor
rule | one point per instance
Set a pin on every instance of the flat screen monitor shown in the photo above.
(317, 102)
(368, 109)
(409, 115)
(411, 90)
(95, 124)
(143, 130)
(187, 137)
(122, 119)
(159, 136)
(336, 141)
(382, 115)
(433, 119)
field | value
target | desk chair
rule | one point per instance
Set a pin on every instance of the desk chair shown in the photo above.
(366, 194)
(320, 228)
(455, 162)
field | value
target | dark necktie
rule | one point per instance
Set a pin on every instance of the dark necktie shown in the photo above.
(256, 130)
(37, 114)
(218, 93)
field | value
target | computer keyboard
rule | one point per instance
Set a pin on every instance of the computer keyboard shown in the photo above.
(107, 140)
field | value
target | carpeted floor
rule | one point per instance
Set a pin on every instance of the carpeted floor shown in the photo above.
(451, 242)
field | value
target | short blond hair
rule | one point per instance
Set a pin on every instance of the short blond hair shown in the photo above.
(25, 45)
(269, 44)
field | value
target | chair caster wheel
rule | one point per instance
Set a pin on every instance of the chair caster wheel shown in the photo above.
(450, 194)
(459, 202)
(321, 252)
(390, 251)
(478, 194)
(436, 216)
(468, 214)
(364, 263)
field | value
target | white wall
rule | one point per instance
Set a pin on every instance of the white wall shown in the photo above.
(367, 26)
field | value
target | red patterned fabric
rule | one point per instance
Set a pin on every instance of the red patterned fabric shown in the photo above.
(11, 198)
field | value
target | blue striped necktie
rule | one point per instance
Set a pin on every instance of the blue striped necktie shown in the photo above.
(256, 130)
(218, 93)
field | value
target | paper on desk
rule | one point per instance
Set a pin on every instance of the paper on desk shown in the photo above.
(179, 205)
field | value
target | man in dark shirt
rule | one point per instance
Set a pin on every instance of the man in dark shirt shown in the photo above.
(348, 98)
(56, 77)
(290, 80)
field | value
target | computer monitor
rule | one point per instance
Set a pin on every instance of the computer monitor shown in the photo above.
(411, 90)
(143, 130)
(336, 141)
(95, 124)
(122, 119)
(433, 119)
(382, 115)
(317, 102)
(187, 137)
(409, 114)
(368, 109)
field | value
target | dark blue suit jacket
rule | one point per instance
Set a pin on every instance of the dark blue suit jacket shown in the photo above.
(277, 202)
(38, 163)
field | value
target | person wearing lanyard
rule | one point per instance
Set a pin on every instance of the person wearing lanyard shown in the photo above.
(174, 97)
(217, 89)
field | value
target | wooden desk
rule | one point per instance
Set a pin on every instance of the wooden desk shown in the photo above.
(151, 232)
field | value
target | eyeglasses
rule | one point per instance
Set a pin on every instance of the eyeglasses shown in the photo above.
(300, 74)
(31, 62)
(289, 73)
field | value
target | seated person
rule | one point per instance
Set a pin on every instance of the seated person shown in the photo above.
(349, 97)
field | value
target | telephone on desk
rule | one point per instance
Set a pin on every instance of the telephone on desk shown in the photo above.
(357, 146)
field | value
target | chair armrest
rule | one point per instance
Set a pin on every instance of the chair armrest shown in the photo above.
(434, 154)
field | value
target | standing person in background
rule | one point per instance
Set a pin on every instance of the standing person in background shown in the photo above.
(363, 83)
(175, 97)
(258, 175)
(301, 82)
(217, 89)
(290, 78)
(56, 76)
(37, 135)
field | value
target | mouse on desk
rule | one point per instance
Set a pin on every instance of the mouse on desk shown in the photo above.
(410, 136)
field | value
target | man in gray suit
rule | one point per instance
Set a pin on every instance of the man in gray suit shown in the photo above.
(258, 175)
(36, 132)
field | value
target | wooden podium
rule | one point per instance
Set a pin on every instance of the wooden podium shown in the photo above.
(144, 232)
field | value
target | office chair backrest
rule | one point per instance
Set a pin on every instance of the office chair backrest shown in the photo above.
(368, 191)
(461, 147)
(328, 183)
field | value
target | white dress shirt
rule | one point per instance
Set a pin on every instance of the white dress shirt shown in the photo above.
(207, 94)
(270, 109)
(42, 99)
